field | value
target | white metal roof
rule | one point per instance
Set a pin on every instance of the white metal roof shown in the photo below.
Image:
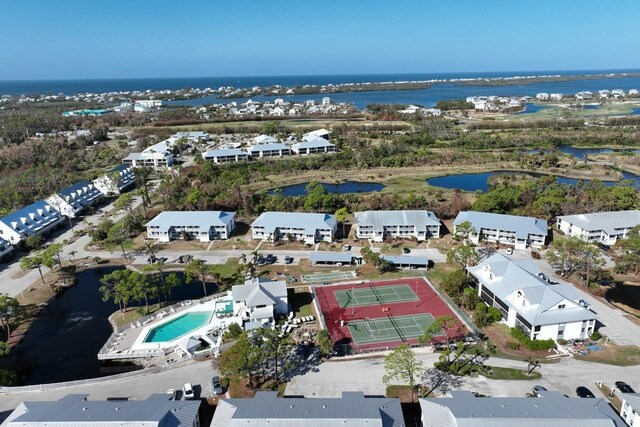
(204, 220)
(379, 219)
(521, 225)
(608, 222)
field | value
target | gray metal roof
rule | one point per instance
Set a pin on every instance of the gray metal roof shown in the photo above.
(75, 410)
(224, 152)
(260, 291)
(463, 409)
(406, 260)
(268, 147)
(513, 276)
(633, 399)
(310, 222)
(323, 256)
(204, 220)
(265, 139)
(380, 219)
(608, 222)
(313, 142)
(521, 225)
(353, 409)
(316, 133)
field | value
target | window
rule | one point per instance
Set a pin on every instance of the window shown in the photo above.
(562, 305)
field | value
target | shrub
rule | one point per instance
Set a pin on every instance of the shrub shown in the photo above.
(595, 336)
(484, 316)
(534, 345)
(513, 345)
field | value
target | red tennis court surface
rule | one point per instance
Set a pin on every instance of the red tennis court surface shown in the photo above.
(344, 303)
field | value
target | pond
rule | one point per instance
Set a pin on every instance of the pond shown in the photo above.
(480, 181)
(340, 188)
(530, 108)
(62, 344)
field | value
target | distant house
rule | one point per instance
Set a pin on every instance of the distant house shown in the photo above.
(527, 300)
(630, 408)
(267, 409)
(402, 261)
(263, 139)
(318, 133)
(599, 227)
(308, 227)
(313, 146)
(378, 225)
(542, 96)
(277, 149)
(226, 155)
(260, 300)
(35, 219)
(585, 94)
(157, 156)
(463, 408)
(204, 226)
(5, 249)
(197, 136)
(521, 232)
(116, 181)
(76, 410)
(73, 200)
(555, 97)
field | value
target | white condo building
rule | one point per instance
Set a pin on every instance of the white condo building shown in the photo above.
(116, 181)
(156, 156)
(308, 227)
(528, 300)
(73, 200)
(204, 226)
(599, 227)
(37, 218)
(378, 225)
(226, 155)
(521, 232)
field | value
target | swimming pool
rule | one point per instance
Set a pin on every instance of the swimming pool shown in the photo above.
(179, 326)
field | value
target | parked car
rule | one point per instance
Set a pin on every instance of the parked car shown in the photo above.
(261, 260)
(216, 388)
(173, 393)
(537, 389)
(185, 259)
(346, 248)
(189, 394)
(288, 259)
(406, 250)
(509, 251)
(584, 392)
(270, 259)
(624, 387)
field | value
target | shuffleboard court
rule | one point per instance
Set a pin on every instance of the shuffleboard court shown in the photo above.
(330, 276)
(388, 329)
(364, 296)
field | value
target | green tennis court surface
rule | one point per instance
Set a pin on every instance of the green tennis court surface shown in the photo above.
(387, 329)
(330, 276)
(369, 295)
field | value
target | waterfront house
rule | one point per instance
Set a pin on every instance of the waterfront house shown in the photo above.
(542, 96)
(313, 145)
(527, 299)
(277, 149)
(551, 408)
(116, 181)
(555, 97)
(75, 199)
(307, 227)
(226, 155)
(599, 227)
(157, 156)
(204, 226)
(77, 410)
(521, 232)
(260, 300)
(378, 225)
(37, 218)
(267, 409)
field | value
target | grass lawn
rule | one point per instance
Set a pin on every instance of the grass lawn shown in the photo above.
(132, 314)
(300, 300)
(403, 392)
(511, 374)
(612, 354)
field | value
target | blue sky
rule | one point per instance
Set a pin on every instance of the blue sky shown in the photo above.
(66, 39)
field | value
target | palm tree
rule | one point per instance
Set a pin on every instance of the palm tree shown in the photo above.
(532, 364)
(149, 249)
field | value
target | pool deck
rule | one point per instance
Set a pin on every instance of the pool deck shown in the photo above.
(128, 342)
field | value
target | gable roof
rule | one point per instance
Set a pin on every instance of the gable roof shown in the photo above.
(260, 291)
(464, 409)
(310, 222)
(204, 220)
(312, 142)
(156, 411)
(268, 147)
(521, 225)
(224, 152)
(379, 219)
(608, 222)
(319, 133)
(33, 214)
(352, 409)
(264, 139)
(82, 189)
(506, 278)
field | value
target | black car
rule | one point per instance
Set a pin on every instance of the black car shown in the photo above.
(406, 250)
(624, 387)
(288, 259)
(584, 392)
(270, 259)
(261, 260)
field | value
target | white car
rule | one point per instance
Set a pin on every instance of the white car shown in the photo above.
(188, 392)
(509, 251)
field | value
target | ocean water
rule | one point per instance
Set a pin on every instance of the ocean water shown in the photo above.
(426, 97)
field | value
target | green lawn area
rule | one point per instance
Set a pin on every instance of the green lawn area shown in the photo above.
(612, 354)
(132, 314)
(227, 270)
(300, 301)
(511, 374)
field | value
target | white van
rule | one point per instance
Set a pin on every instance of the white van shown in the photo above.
(188, 392)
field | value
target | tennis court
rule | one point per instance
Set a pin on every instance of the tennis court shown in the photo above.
(330, 276)
(389, 328)
(358, 297)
